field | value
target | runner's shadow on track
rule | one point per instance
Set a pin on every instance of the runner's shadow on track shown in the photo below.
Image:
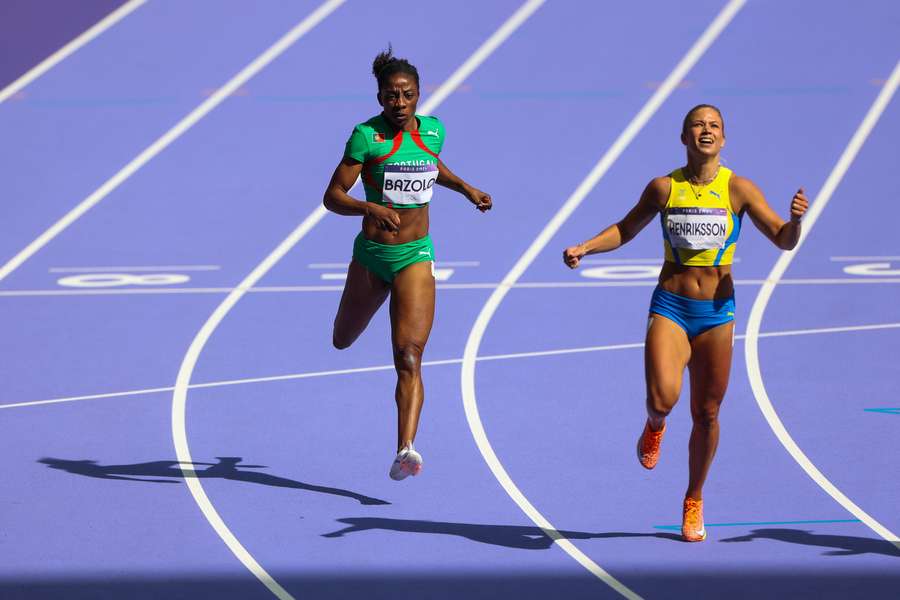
(844, 545)
(508, 536)
(228, 467)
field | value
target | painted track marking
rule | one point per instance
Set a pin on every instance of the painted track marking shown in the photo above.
(163, 142)
(471, 352)
(70, 48)
(751, 346)
(182, 383)
(427, 363)
(531, 285)
(134, 269)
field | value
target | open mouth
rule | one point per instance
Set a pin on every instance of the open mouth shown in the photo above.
(706, 141)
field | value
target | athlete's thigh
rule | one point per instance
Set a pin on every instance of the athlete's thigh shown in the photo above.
(412, 305)
(710, 364)
(666, 354)
(364, 293)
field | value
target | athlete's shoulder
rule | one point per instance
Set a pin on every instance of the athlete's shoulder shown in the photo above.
(657, 191)
(363, 134)
(661, 185)
(431, 126)
(376, 123)
(742, 185)
(429, 121)
(744, 193)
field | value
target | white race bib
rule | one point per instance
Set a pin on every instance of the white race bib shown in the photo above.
(697, 228)
(409, 184)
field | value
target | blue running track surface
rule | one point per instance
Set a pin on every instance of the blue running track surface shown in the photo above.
(291, 440)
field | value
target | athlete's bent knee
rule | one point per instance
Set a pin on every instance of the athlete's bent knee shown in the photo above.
(706, 417)
(408, 357)
(660, 403)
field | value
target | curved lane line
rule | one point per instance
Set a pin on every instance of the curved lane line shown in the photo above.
(70, 48)
(724, 17)
(183, 382)
(751, 351)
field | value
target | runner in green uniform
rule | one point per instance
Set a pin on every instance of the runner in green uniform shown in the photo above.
(396, 154)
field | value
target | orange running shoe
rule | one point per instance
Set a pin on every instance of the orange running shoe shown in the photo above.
(692, 529)
(648, 446)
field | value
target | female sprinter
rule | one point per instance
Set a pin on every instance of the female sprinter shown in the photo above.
(691, 320)
(396, 153)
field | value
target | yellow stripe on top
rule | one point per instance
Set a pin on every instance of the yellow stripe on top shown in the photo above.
(700, 228)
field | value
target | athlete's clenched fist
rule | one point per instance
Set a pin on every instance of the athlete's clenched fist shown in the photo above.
(572, 256)
(481, 200)
(799, 205)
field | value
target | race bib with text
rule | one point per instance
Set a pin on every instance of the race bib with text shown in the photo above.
(697, 228)
(409, 184)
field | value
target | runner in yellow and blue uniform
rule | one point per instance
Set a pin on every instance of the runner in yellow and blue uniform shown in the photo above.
(396, 153)
(691, 322)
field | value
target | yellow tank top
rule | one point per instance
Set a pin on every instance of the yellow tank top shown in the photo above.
(699, 225)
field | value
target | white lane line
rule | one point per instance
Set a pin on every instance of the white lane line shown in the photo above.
(172, 134)
(457, 263)
(135, 269)
(487, 311)
(284, 289)
(628, 261)
(440, 263)
(182, 383)
(70, 48)
(620, 261)
(854, 258)
(751, 352)
(428, 363)
(482, 53)
(845, 329)
(67, 399)
(179, 397)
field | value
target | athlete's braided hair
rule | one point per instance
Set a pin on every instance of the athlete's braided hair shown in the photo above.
(386, 64)
(687, 117)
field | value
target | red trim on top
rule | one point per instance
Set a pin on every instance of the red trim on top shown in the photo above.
(366, 175)
(418, 140)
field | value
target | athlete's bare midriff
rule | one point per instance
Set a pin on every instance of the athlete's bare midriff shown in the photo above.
(413, 225)
(700, 283)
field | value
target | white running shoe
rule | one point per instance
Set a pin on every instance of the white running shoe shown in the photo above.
(408, 462)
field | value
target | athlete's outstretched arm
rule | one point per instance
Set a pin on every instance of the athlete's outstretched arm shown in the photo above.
(652, 201)
(449, 180)
(749, 198)
(338, 200)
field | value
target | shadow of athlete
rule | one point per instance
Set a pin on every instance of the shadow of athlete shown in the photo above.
(508, 536)
(228, 467)
(845, 545)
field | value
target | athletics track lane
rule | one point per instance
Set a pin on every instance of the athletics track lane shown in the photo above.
(86, 118)
(753, 480)
(438, 400)
(94, 421)
(258, 337)
(27, 36)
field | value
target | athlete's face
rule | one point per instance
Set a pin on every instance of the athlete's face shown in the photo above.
(704, 133)
(399, 97)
